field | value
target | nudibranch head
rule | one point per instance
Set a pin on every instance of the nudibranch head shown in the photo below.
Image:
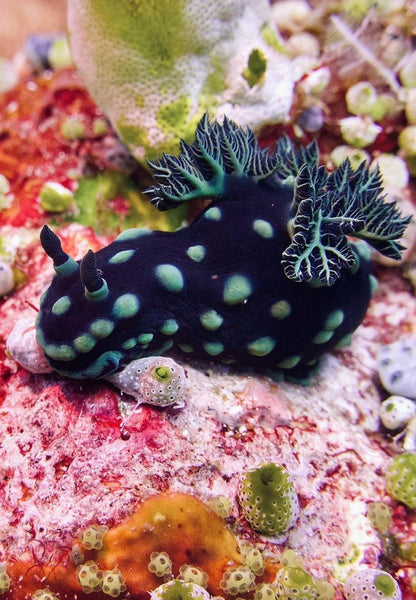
(266, 276)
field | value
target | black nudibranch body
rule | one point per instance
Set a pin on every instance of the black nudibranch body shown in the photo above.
(265, 276)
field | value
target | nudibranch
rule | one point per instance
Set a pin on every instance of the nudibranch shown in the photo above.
(266, 276)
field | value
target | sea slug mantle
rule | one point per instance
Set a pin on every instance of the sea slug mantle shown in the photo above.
(264, 277)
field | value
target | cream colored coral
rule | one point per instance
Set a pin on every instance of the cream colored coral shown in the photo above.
(155, 68)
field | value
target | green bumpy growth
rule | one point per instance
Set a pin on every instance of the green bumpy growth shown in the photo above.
(268, 499)
(179, 590)
(294, 583)
(401, 479)
(326, 207)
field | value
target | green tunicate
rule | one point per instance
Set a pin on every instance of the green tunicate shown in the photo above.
(280, 309)
(179, 590)
(121, 257)
(213, 214)
(261, 346)
(54, 197)
(213, 348)
(84, 343)
(126, 306)
(322, 337)
(268, 498)
(401, 479)
(295, 582)
(196, 253)
(385, 584)
(61, 306)
(290, 362)
(211, 320)
(101, 328)
(169, 327)
(263, 228)
(334, 320)
(162, 373)
(237, 288)
(170, 277)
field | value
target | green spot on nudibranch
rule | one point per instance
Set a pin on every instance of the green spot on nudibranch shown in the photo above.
(186, 348)
(211, 320)
(129, 343)
(145, 338)
(334, 319)
(322, 337)
(213, 348)
(373, 284)
(290, 362)
(280, 309)
(263, 228)
(61, 306)
(170, 277)
(101, 328)
(121, 257)
(196, 253)
(261, 346)
(62, 352)
(345, 341)
(237, 288)
(213, 214)
(126, 306)
(169, 327)
(132, 234)
(84, 343)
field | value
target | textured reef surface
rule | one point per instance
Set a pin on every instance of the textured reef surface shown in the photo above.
(264, 277)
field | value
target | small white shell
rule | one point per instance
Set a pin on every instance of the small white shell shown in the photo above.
(23, 347)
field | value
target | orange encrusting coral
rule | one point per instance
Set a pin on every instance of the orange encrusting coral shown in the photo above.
(178, 524)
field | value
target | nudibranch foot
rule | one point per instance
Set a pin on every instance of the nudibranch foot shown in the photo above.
(266, 276)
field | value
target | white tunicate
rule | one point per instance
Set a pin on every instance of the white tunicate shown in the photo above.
(372, 584)
(396, 412)
(156, 380)
(24, 349)
(397, 367)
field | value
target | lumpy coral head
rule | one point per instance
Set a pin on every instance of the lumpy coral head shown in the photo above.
(155, 67)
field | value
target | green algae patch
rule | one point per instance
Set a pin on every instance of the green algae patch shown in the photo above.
(110, 201)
